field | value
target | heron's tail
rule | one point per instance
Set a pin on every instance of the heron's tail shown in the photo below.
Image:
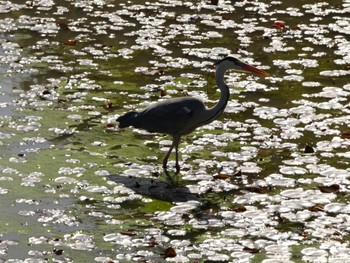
(128, 119)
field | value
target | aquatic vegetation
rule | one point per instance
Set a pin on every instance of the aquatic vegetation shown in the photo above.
(267, 181)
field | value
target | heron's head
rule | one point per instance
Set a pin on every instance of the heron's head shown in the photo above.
(238, 65)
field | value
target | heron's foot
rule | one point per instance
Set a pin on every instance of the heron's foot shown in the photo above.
(177, 167)
(165, 162)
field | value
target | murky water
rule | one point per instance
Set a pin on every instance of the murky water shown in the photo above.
(266, 182)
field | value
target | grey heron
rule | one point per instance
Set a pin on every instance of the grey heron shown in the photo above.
(180, 116)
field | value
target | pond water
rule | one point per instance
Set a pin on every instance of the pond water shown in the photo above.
(268, 181)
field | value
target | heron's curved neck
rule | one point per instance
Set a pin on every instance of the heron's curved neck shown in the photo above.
(214, 112)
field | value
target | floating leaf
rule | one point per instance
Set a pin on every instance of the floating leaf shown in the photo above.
(128, 233)
(259, 190)
(251, 250)
(70, 42)
(63, 25)
(279, 24)
(240, 209)
(221, 177)
(329, 189)
(345, 135)
(316, 208)
(169, 253)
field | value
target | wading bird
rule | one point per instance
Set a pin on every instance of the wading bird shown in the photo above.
(180, 116)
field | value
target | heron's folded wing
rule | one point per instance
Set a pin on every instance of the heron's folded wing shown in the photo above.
(170, 116)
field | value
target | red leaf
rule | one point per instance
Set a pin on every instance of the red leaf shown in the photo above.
(345, 135)
(279, 24)
(221, 177)
(70, 42)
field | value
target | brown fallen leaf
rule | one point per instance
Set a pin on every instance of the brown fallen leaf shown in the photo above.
(63, 25)
(316, 208)
(345, 135)
(258, 190)
(330, 188)
(240, 209)
(128, 233)
(221, 177)
(169, 253)
(303, 234)
(251, 250)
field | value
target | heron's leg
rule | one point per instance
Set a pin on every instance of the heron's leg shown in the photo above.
(177, 141)
(165, 160)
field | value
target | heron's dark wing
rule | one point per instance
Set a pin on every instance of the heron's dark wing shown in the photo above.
(172, 116)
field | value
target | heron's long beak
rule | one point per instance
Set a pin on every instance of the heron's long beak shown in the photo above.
(250, 68)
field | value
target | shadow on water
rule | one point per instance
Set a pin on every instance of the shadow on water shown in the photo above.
(157, 188)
